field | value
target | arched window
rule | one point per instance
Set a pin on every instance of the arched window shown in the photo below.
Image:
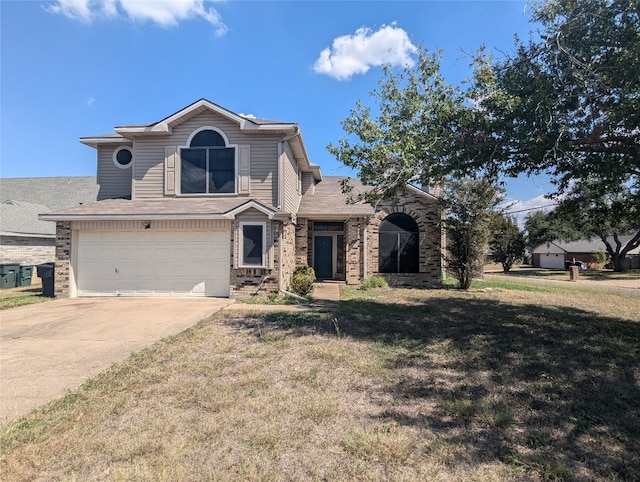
(398, 242)
(208, 165)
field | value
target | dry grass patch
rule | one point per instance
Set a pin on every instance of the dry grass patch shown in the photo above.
(398, 385)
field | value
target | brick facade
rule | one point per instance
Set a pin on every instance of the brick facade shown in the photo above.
(429, 219)
(354, 253)
(63, 260)
(361, 242)
(27, 250)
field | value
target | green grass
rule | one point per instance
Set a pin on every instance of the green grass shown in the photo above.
(25, 295)
(395, 384)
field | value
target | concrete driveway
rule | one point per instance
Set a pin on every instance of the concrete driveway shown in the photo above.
(50, 347)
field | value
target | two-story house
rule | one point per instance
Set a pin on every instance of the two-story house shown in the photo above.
(207, 202)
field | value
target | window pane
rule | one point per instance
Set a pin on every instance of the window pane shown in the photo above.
(252, 245)
(409, 258)
(328, 226)
(388, 253)
(399, 222)
(124, 157)
(222, 173)
(193, 174)
(207, 139)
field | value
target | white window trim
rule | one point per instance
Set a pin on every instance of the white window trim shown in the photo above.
(241, 263)
(236, 149)
(115, 157)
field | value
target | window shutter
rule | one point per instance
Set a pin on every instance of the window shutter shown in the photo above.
(170, 163)
(244, 169)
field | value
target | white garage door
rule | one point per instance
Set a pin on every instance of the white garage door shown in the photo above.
(552, 260)
(153, 263)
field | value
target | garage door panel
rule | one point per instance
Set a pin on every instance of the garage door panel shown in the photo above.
(153, 263)
(552, 261)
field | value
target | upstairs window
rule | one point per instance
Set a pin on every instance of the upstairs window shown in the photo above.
(122, 157)
(208, 166)
(398, 244)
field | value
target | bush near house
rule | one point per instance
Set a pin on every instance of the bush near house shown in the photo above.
(372, 282)
(302, 280)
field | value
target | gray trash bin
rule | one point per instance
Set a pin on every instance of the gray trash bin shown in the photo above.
(25, 273)
(8, 275)
(46, 272)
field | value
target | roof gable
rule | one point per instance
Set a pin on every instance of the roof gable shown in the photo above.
(164, 126)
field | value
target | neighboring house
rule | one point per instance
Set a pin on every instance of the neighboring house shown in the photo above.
(207, 202)
(554, 254)
(25, 239)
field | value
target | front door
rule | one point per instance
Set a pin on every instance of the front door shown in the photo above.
(323, 257)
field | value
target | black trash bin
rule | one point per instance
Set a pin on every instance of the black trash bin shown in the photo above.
(25, 273)
(46, 272)
(8, 275)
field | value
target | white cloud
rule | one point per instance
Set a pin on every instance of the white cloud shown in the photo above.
(166, 13)
(75, 9)
(357, 53)
(91, 101)
(248, 116)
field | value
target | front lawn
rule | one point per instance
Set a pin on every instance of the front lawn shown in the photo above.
(495, 384)
(25, 295)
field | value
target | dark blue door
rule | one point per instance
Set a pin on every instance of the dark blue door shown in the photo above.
(323, 257)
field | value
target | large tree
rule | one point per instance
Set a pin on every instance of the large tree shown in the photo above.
(567, 103)
(407, 135)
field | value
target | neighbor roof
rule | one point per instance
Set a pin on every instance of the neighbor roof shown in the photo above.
(54, 192)
(590, 245)
(20, 218)
(22, 199)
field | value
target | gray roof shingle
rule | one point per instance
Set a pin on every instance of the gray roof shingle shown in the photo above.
(53, 192)
(170, 207)
(22, 199)
(20, 218)
(327, 198)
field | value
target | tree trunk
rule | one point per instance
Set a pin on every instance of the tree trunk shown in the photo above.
(618, 262)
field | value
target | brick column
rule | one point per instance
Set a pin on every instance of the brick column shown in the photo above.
(63, 260)
(354, 232)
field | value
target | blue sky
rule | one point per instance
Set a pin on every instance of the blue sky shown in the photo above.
(72, 68)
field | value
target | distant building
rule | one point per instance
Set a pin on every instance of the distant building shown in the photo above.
(555, 254)
(24, 239)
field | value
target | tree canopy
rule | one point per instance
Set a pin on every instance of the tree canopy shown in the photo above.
(565, 103)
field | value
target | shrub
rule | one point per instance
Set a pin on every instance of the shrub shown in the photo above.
(600, 260)
(373, 282)
(302, 280)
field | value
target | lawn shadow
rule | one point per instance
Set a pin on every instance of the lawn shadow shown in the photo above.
(535, 386)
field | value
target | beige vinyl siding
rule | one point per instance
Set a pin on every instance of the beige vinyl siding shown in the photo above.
(292, 197)
(113, 181)
(149, 172)
(307, 181)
